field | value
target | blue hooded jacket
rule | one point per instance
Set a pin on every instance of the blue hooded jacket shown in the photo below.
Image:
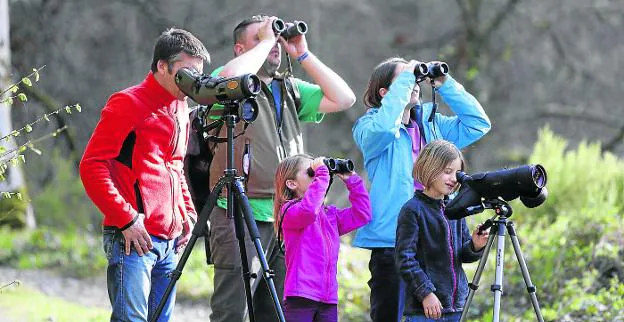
(387, 148)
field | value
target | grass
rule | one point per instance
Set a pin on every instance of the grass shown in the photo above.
(19, 303)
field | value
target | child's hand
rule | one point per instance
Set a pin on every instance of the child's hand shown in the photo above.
(438, 81)
(409, 67)
(432, 306)
(345, 176)
(479, 240)
(316, 163)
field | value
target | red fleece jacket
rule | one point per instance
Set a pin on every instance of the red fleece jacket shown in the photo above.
(134, 160)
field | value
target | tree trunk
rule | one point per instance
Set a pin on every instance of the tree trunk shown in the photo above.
(13, 212)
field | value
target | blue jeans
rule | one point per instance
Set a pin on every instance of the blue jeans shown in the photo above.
(446, 317)
(387, 287)
(137, 283)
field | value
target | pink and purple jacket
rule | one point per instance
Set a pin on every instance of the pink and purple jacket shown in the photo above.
(312, 233)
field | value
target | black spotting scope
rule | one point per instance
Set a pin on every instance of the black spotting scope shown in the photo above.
(207, 90)
(527, 182)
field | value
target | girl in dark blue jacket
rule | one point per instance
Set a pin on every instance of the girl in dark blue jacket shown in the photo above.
(430, 248)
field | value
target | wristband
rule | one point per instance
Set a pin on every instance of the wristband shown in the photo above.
(303, 57)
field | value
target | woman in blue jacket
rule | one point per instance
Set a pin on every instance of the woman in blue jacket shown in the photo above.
(390, 135)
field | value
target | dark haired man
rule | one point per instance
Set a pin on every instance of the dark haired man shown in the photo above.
(284, 103)
(132, 170)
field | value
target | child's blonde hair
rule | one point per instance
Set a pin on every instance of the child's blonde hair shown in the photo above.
(286, 170)
(432, 160)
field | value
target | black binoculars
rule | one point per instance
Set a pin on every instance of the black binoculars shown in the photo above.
(335, 166)
(431, 70)
(289, 30)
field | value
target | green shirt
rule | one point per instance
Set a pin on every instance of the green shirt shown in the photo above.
(311, 95)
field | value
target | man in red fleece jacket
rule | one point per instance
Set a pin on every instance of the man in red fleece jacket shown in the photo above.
(132, 170)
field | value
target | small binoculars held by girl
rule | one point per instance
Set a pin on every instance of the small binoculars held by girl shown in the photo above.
(335, 166)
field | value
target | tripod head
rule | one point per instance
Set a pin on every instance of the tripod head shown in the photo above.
(500, 207)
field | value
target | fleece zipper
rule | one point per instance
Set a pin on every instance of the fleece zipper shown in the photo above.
(452, 254)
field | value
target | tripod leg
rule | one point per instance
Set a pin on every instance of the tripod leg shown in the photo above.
(524, 270)
(202, 221)
(267, 273)
(497, 287)
(474, 285)
(239, 227)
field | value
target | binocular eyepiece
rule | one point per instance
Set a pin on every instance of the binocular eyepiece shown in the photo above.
(335, 166)
(431, 70)
(290, 29)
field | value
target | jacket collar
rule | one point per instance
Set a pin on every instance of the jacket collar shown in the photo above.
(157, 91)
(437, 203)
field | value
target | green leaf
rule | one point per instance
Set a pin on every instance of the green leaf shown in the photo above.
(21, 149)
(18, 195)
(9, 100)
(2, 149)
(36, 74)
(15, 133)
(22, 97)
(26, 81)
(28, 128)
(68, 109)
(21, 157)
(78, 108)
(6, 195)
(14, 89)
(472, 72)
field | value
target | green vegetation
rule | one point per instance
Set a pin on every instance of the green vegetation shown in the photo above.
(572, 244)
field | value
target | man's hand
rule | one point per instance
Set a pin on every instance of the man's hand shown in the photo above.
(187, 228)
(266, 30)
(295, 46)
(432, 306)
(137, 235)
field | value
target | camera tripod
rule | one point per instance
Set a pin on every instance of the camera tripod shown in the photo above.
(238, 209)
(503, 212)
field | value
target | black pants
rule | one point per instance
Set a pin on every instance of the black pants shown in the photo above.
(387, 289)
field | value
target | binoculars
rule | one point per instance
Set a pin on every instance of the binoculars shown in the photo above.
(335, 166)
(289, 30)
(431, 70)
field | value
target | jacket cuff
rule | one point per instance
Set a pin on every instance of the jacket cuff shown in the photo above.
(353, 180)
(423, 291)
(449, 85)
(126, 226)
(471, 252)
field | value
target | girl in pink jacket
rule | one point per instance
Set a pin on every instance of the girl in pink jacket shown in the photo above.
(311, 232)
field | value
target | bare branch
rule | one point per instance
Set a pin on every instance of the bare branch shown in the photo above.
(499, 18)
